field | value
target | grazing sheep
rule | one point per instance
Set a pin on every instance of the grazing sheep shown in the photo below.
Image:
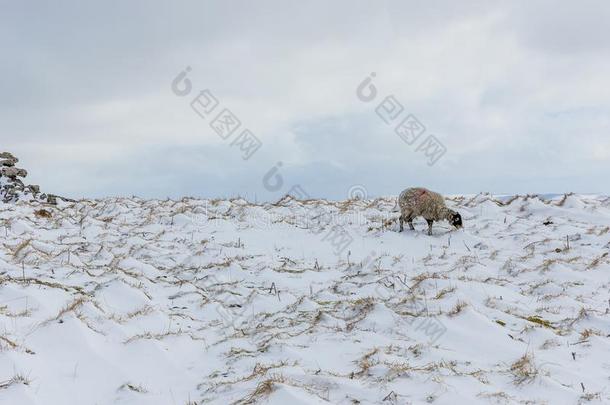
(418, 201)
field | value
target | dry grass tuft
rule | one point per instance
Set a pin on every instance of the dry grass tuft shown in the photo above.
(587, 333)
(524, 370)
(16, 379)
(133, 387)
(78, 302)
(458, 308)
(444, 292)
(143, 311)
(365, 363)
(8, 344)
(596, 262)
(21, 246)
(591, 396)
(539, 321)
(262, 390)
(43, 214)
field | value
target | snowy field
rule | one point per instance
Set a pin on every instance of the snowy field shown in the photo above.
(129, 301)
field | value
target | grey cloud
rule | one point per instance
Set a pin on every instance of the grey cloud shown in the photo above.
(510, 88)
(570, 28)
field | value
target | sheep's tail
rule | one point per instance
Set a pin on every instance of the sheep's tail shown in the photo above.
(396, 207)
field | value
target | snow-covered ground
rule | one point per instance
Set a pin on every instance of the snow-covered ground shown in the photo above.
(128, 301)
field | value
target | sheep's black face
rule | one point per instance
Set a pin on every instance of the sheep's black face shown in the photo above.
(456, 220)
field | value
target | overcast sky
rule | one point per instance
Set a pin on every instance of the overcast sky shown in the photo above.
(518, 93)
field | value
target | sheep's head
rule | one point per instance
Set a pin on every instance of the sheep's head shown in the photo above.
(456, 219)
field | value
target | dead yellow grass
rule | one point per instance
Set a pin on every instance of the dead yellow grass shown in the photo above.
(524, 370)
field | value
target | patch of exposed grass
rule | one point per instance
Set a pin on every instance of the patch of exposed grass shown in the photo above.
(539, 321)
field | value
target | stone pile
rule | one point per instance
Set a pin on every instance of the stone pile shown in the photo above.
(12, 187)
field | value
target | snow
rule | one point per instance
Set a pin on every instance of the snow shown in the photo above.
(131, 301)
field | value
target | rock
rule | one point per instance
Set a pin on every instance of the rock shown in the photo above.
(34, 189)
(51, 199)
(13, 172)
(8, 162)
(13, 189)
(7, 159)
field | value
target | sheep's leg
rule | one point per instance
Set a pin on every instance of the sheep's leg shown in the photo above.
(401, 220)
(410, 221)
(430, 221)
